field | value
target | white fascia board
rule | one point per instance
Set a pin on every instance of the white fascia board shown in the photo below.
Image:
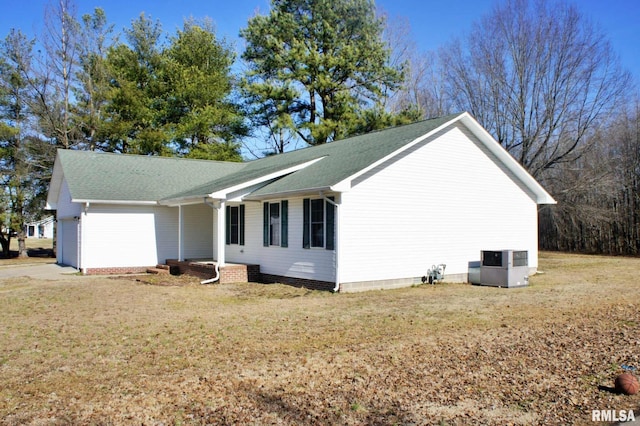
(237, 198)
(342, 186)
(185, 201)
(345, 184)
(542, 196)
(288, 194)
(222, 194)
(121, 202)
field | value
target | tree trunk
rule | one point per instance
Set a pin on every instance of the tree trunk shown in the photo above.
(5, 242)
(55, 234)
(22, 245)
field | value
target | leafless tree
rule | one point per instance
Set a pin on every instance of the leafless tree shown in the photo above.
(423, 87)
(60, 40)
(598, 195)
(627, 156)
(96, 36)
(539, 76)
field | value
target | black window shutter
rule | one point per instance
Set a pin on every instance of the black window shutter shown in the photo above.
(241, 225)
(228, 224)
(330, 231)
(284, 221)
(306, 225)
(265, 224)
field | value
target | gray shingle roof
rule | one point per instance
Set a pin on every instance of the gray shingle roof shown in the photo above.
(346, 157)
(117, 177)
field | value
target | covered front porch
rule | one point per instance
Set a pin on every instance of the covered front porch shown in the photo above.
(201, 232)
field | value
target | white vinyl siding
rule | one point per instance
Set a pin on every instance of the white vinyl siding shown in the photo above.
(291, 261)
(198, 231)
(65, 207)
(443, 201)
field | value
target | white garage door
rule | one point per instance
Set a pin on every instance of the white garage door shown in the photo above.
(69, 242)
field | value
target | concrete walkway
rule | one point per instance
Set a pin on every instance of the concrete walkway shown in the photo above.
(42, 271)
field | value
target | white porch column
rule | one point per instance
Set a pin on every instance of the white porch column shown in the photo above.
(80, 243)
(337, 240)
(221, 230)
(180, 234)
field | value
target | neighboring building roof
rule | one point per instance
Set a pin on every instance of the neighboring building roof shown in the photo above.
(114, 177)
(44, 221)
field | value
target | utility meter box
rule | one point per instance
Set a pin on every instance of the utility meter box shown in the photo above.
(504, 268)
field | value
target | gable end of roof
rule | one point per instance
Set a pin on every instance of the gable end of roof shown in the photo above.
(133, 179)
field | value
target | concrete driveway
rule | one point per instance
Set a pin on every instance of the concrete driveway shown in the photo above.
(42, 271)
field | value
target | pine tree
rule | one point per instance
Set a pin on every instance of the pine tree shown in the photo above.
(316, 65)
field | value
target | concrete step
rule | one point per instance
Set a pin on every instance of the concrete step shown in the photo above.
(158, 271)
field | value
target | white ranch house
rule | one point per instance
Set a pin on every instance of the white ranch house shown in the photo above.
(42, 228)
(369, 212)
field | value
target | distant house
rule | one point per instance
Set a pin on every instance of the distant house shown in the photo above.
(369, 212)
(42, 228)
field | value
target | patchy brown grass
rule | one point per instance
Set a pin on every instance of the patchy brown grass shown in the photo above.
(114, 351)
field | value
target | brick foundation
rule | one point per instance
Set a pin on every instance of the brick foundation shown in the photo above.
(117, 270)
(233, 273)
(298, 282)
(239, 274)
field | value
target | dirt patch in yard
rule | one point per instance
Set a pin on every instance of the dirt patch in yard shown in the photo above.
(162, 280)
(114, 351)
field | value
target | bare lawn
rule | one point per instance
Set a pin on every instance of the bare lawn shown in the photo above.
(149, 350)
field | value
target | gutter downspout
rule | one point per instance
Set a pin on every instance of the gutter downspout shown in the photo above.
(216, 277)
(81, 233)
(180, 234)
(79, 243)
(336, 288)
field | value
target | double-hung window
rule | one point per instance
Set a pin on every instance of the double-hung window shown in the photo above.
(318, 224)
(235, 224)
(275, 224)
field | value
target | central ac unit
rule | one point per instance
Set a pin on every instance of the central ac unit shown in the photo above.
(504, 268)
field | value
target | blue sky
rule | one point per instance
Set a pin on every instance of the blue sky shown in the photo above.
(432, 22)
